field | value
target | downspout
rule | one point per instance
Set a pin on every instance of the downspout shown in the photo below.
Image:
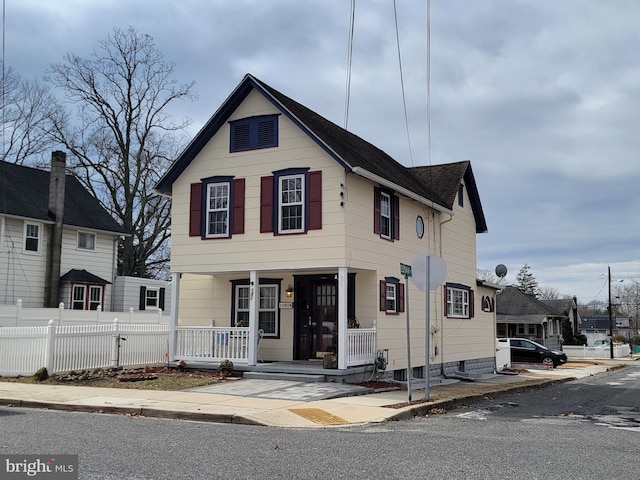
(442, 372)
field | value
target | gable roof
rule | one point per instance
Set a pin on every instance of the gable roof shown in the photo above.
(24, 192)
(82, 276)
(445, 180)
(562, 304)
(352, 152)
(512, 302)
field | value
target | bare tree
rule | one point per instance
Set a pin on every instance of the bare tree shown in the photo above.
(489, 276)
(122, 139)
(26, 107)
(548, 293)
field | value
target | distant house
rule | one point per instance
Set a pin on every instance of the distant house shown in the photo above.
(57, 243)
(289, 229)
(596, 327)
(523, 316)
(569, 308)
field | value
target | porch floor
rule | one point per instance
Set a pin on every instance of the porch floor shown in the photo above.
(302, 367)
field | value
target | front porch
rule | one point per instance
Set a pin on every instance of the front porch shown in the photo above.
(212, 345)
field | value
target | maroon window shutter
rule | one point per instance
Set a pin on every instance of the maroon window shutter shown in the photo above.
(471, 304)
(237, 205)
(195, 210)
(383, 296)
(444, 295)
(314, 203)
(376, 210)
(401, 297)
(396, 217)
(266, 204)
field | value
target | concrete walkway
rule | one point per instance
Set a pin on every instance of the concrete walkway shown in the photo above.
(289, 403)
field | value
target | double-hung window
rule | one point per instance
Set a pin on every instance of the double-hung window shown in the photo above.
(217, 208)
(32, 237)
(291, 201)
(391, 296)
(386, 214)
(459, 301)
(86, 241)
(268, 309)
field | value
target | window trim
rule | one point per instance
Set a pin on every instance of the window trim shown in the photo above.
(264, 282)
(87, 302)
(39, 239)
(208, 185)
(88, 234)
(301, 204)
(394, 213)
(253, 141)
(467, 307)
(198, 199)
(399, 299)
(384, 196)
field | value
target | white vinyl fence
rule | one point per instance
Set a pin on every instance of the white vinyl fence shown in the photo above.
(63, 348)
(577, 351)
(19, 316)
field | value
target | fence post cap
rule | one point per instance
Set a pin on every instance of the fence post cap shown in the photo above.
(19, 302)
(51, 323)
(115, 320)
(61, 305)
(130, 309)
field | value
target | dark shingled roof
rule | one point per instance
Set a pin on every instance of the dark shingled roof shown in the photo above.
(82, 276)
(346, 148)
(513, 302)
(24, 192)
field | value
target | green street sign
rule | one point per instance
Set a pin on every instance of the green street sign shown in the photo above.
(405, 270)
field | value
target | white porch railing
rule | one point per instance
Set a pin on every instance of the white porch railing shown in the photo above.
(212, 344)
(361, 346)
(63, 348)
(215, 344)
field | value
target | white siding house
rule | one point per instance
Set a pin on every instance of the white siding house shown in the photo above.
(290, 229)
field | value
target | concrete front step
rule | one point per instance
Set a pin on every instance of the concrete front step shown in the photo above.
(294, 377)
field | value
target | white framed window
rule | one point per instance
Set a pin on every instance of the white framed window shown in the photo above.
(385, 215)
(152, 296)
(520, 329)
(32, 238)
(267, 308)
(217, 210)
(391, 298)
(532, 329)
(86, 241)
(457, 302)
(291, 201)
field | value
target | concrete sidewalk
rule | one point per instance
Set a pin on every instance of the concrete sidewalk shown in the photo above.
(288, 404)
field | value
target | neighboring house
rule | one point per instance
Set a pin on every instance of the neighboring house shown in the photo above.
(286, 223)
(140, 294)
(57, 243)
(597, 327)
(523, 316)
(569, 308)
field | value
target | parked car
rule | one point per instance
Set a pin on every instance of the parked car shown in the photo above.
(528, 351)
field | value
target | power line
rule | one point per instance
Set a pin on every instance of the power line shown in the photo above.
(349, 61)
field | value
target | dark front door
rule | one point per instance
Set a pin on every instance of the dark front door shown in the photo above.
(316, 318)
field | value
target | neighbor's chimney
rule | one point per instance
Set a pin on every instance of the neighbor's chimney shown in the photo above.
(56, 213)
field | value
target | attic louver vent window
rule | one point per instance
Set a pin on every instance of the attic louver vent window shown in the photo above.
(253, 133)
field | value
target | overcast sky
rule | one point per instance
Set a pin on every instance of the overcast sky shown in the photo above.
(543, 96)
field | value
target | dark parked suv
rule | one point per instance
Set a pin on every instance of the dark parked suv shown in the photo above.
(527, 351)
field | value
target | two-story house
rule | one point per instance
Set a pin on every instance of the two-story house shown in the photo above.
(288, 232)
(57, 242)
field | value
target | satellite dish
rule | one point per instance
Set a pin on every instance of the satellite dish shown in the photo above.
(501, 271)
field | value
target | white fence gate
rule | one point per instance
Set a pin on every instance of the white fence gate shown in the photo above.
(63, 348)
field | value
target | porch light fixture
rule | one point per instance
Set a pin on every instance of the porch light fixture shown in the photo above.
(289, 291)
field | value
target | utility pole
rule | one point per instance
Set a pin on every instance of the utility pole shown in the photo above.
(610, 317)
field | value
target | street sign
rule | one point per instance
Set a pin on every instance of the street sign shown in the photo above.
(405, 270)
(437, 271)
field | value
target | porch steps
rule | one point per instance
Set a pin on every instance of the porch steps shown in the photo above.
(294, 377)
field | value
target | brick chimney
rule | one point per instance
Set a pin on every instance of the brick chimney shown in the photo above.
(56, 213)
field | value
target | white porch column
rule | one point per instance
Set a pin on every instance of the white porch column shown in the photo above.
(254, 298)
(175, 309)
(342, 317)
